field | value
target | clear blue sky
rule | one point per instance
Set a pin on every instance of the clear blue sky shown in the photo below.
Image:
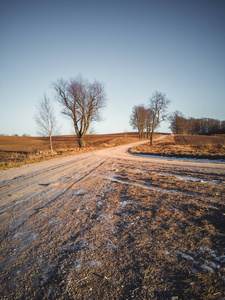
(134, 47)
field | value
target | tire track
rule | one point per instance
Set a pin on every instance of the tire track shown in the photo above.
(36, 189)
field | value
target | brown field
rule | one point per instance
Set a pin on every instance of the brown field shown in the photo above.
(16, 151)
(190, 146)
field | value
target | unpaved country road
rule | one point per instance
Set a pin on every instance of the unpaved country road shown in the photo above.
(111, 225)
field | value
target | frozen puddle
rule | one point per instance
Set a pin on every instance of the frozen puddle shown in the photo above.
(219, 258)
(189, 178)
(28, 237)
(140, 171)
(207, 265)
(183, 255)
(95, 263)
(18, 222)
(105, 217)
(110, 246)
(79, 264)
(23, 239)
(203, 160)
(124, 203)
(148, 187)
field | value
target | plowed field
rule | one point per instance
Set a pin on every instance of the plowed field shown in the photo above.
(15, 150)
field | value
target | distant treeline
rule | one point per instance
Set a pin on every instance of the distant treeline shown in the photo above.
(204, 126)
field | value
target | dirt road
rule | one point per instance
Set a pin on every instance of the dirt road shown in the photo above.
(111, 225)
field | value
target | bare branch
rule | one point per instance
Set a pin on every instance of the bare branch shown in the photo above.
(158, 105)
(141, 119)
(81, 101)
(45, 120)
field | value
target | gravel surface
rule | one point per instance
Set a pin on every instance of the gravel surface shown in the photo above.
(111, 225)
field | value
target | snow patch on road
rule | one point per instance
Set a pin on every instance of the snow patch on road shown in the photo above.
(189, 178)
(149, 187)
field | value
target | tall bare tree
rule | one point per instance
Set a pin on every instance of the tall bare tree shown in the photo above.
(45, 120)
(158, 105)
(178, 123)
(149, 120)
(138, 119)
(82, 101)
(141, 119)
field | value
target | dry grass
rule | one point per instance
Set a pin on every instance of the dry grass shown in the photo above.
(212, 147)
(16, 151)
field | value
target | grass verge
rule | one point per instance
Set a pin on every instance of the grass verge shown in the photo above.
(203, 147)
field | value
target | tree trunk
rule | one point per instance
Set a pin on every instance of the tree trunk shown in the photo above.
(81, 142)
(50, 139)
(152, 131)
(151, 137)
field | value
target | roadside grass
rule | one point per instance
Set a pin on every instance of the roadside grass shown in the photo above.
(166, 245)
(17, 151)
(190, 146)
(181, 235)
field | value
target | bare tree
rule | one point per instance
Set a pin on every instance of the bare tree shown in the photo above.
(149, 119)
(178, 123)
(138, 119)
(141, 119)
(82, 102)
(205, 126)
(158, 105)
(45, 120)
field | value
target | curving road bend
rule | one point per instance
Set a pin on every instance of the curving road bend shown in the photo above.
(62, 206)
(32, 179)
